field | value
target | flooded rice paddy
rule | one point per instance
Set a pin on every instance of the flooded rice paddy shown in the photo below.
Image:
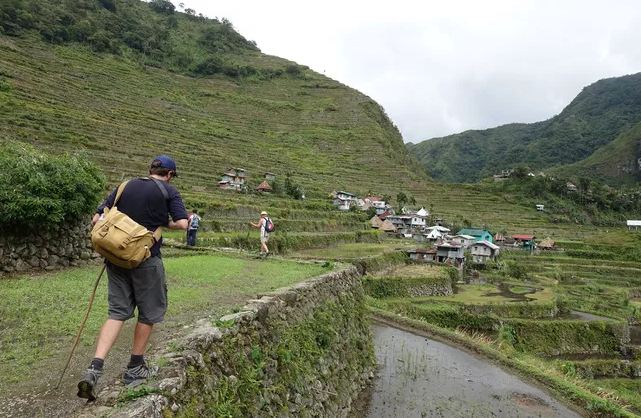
(420, 377)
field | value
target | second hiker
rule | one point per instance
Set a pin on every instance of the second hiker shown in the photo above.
(266, 226)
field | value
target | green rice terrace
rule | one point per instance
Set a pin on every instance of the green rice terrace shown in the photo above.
(573, 315)
(84, 106)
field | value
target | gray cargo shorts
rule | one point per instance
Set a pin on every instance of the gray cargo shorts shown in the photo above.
(143, 287)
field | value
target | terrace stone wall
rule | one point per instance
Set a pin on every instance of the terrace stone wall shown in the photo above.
(305, 350)
(58, 246)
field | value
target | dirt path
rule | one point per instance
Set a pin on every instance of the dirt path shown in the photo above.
(420, 377)
(41, 399)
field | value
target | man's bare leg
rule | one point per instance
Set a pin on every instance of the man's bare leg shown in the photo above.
(141, 337)
(108, 336)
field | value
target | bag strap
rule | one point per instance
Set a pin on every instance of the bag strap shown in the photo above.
(161, 186)
(121, 189)
(158, 232)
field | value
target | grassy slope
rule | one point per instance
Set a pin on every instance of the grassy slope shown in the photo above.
(68, 98)
(53, 303)
(593, 119)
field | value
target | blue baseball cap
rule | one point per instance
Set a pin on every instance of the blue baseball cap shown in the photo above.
(165, 161)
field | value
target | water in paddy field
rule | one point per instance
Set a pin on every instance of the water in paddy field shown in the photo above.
(420, 377)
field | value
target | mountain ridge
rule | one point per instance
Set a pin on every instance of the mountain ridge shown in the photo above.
(594, 118)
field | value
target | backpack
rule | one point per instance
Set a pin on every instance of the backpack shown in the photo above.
(195, 222)
(269, 225)
(120, 239)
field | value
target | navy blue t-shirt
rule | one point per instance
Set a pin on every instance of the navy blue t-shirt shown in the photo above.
(143, 202)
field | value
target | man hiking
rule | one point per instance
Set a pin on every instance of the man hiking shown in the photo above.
(149, 201)
(266, 226)
(192, 229)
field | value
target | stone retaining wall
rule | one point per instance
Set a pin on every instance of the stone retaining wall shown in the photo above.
(59, 246)
(305, 350)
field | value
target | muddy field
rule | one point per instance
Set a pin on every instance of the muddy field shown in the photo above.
(420, 377)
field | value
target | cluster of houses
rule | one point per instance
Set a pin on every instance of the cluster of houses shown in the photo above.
(451, 249)
(345, 201)
(236, 179)
(479, 243)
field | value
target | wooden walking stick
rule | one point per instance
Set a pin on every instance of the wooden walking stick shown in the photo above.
(82, 324)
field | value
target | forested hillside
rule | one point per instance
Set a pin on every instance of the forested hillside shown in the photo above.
(600, 113)
(616, 163)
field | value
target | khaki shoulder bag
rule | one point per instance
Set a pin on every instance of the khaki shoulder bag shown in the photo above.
(120, 239)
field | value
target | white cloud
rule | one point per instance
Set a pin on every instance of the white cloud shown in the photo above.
(443, 67)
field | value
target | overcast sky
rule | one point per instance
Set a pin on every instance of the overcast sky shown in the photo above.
(441, 67)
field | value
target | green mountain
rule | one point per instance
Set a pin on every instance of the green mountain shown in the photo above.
(598, 115)
(617, 163)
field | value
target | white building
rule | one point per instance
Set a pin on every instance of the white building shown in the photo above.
(345, 200)
(634, 225)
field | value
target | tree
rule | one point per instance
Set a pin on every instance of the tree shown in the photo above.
(401, 199)
(162, 6)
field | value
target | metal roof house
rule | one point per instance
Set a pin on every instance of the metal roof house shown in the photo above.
(478, 234)
(484, 251)
(448, 251)
(422, 254)
(633, 225)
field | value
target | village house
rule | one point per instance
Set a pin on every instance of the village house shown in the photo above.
(387, 226)
(465, 240)
(233, 179)
(419, 218)
(483, 251)
(571, 187)
(524, 240)
(422, 254)
(270, 177)
(504, 175)
(540, 208)
(376, 222)
(264, 187)
(499, 238)
(344, 200)
(433, 235)
(385, 214)
(547, 244)
(478, 234)
(633, 225)
(450, 252)
(403, 224)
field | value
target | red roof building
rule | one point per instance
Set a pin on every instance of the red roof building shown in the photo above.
(523, 237)
(264, 187)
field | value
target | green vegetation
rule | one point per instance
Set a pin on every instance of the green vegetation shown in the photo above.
(297, 353)
(600, 113)
(37, 189)
(410, 280)
(281, 242)
(153, 33)
(616, 163)
(592, 202)
(53, 303)
(563, 320)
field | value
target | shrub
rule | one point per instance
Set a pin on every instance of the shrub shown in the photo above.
(162, 6)
(38, 189)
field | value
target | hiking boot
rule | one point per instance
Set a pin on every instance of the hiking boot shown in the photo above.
(136, 375)
(87, 386)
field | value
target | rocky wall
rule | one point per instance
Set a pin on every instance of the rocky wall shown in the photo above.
(45, 249)
(305, 350)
